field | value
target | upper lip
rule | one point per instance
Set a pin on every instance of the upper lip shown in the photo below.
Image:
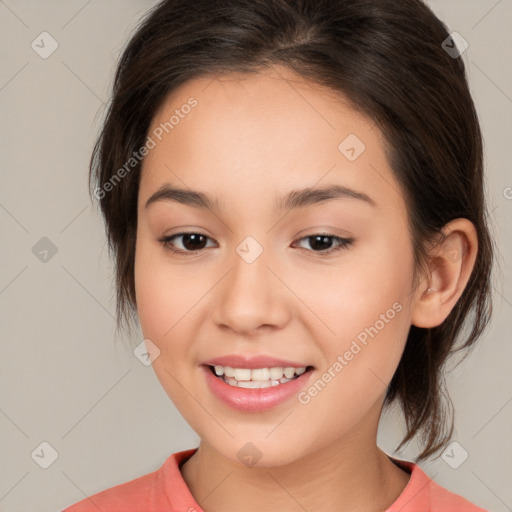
(255, 361)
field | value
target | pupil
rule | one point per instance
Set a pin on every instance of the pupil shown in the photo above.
(324, 241)
(192, 247)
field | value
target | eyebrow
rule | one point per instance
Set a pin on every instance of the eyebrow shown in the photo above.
(293, 200)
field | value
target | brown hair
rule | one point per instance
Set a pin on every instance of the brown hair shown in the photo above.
(387, 58)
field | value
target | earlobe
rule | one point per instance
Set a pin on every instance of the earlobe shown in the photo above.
(451, 262)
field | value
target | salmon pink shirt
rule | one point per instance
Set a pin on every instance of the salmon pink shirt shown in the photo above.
(165, 490)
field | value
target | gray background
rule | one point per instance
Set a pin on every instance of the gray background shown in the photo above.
(63, 379)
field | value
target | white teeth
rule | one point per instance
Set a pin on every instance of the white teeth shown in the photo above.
(257, 377)
(257, 384)
(241, 373)
(228, 371)
(258, 374)
(289, 372)
(276, 373)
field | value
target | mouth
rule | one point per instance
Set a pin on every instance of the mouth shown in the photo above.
(257, 378)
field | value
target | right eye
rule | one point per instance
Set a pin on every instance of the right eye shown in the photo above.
(192, 242)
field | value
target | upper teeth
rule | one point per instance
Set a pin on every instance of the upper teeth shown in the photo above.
(260, 374)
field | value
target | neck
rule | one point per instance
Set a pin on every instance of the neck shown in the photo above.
(343, 476)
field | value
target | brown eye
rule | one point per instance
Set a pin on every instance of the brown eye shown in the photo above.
(322, 243)
(191, 242)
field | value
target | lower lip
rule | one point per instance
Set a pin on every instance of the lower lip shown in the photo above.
(254, 400)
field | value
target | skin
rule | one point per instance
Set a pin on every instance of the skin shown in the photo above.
(250, 140)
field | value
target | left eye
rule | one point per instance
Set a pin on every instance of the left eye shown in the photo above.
(321, 240)
(194, 242)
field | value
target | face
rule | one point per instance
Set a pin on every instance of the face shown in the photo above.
(323, 283)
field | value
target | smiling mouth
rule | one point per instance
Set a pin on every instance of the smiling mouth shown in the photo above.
(258, 378)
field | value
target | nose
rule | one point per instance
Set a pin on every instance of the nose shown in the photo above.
(251, 297)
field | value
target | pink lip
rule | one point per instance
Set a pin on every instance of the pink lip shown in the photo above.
(261, 361)
(254, 400)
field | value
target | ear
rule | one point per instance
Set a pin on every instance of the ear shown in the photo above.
(451, 262)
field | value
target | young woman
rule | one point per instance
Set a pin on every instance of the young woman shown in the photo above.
(293, 193)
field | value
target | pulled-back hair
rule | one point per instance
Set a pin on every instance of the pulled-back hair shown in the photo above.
(387, 58)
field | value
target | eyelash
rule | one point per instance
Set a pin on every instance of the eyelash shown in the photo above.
(343, 243)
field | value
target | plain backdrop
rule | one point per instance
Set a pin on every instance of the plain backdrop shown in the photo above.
(102, 415)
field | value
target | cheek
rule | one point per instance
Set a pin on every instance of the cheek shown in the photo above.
(156, 299)
(366, 306)
(167, 295)
(161, 304)
(353, 295)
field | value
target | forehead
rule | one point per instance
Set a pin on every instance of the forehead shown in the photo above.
(264, 132)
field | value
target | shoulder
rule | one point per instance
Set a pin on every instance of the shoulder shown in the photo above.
(131, 496)
(148, 493)
(423, 494)
(443, 500)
